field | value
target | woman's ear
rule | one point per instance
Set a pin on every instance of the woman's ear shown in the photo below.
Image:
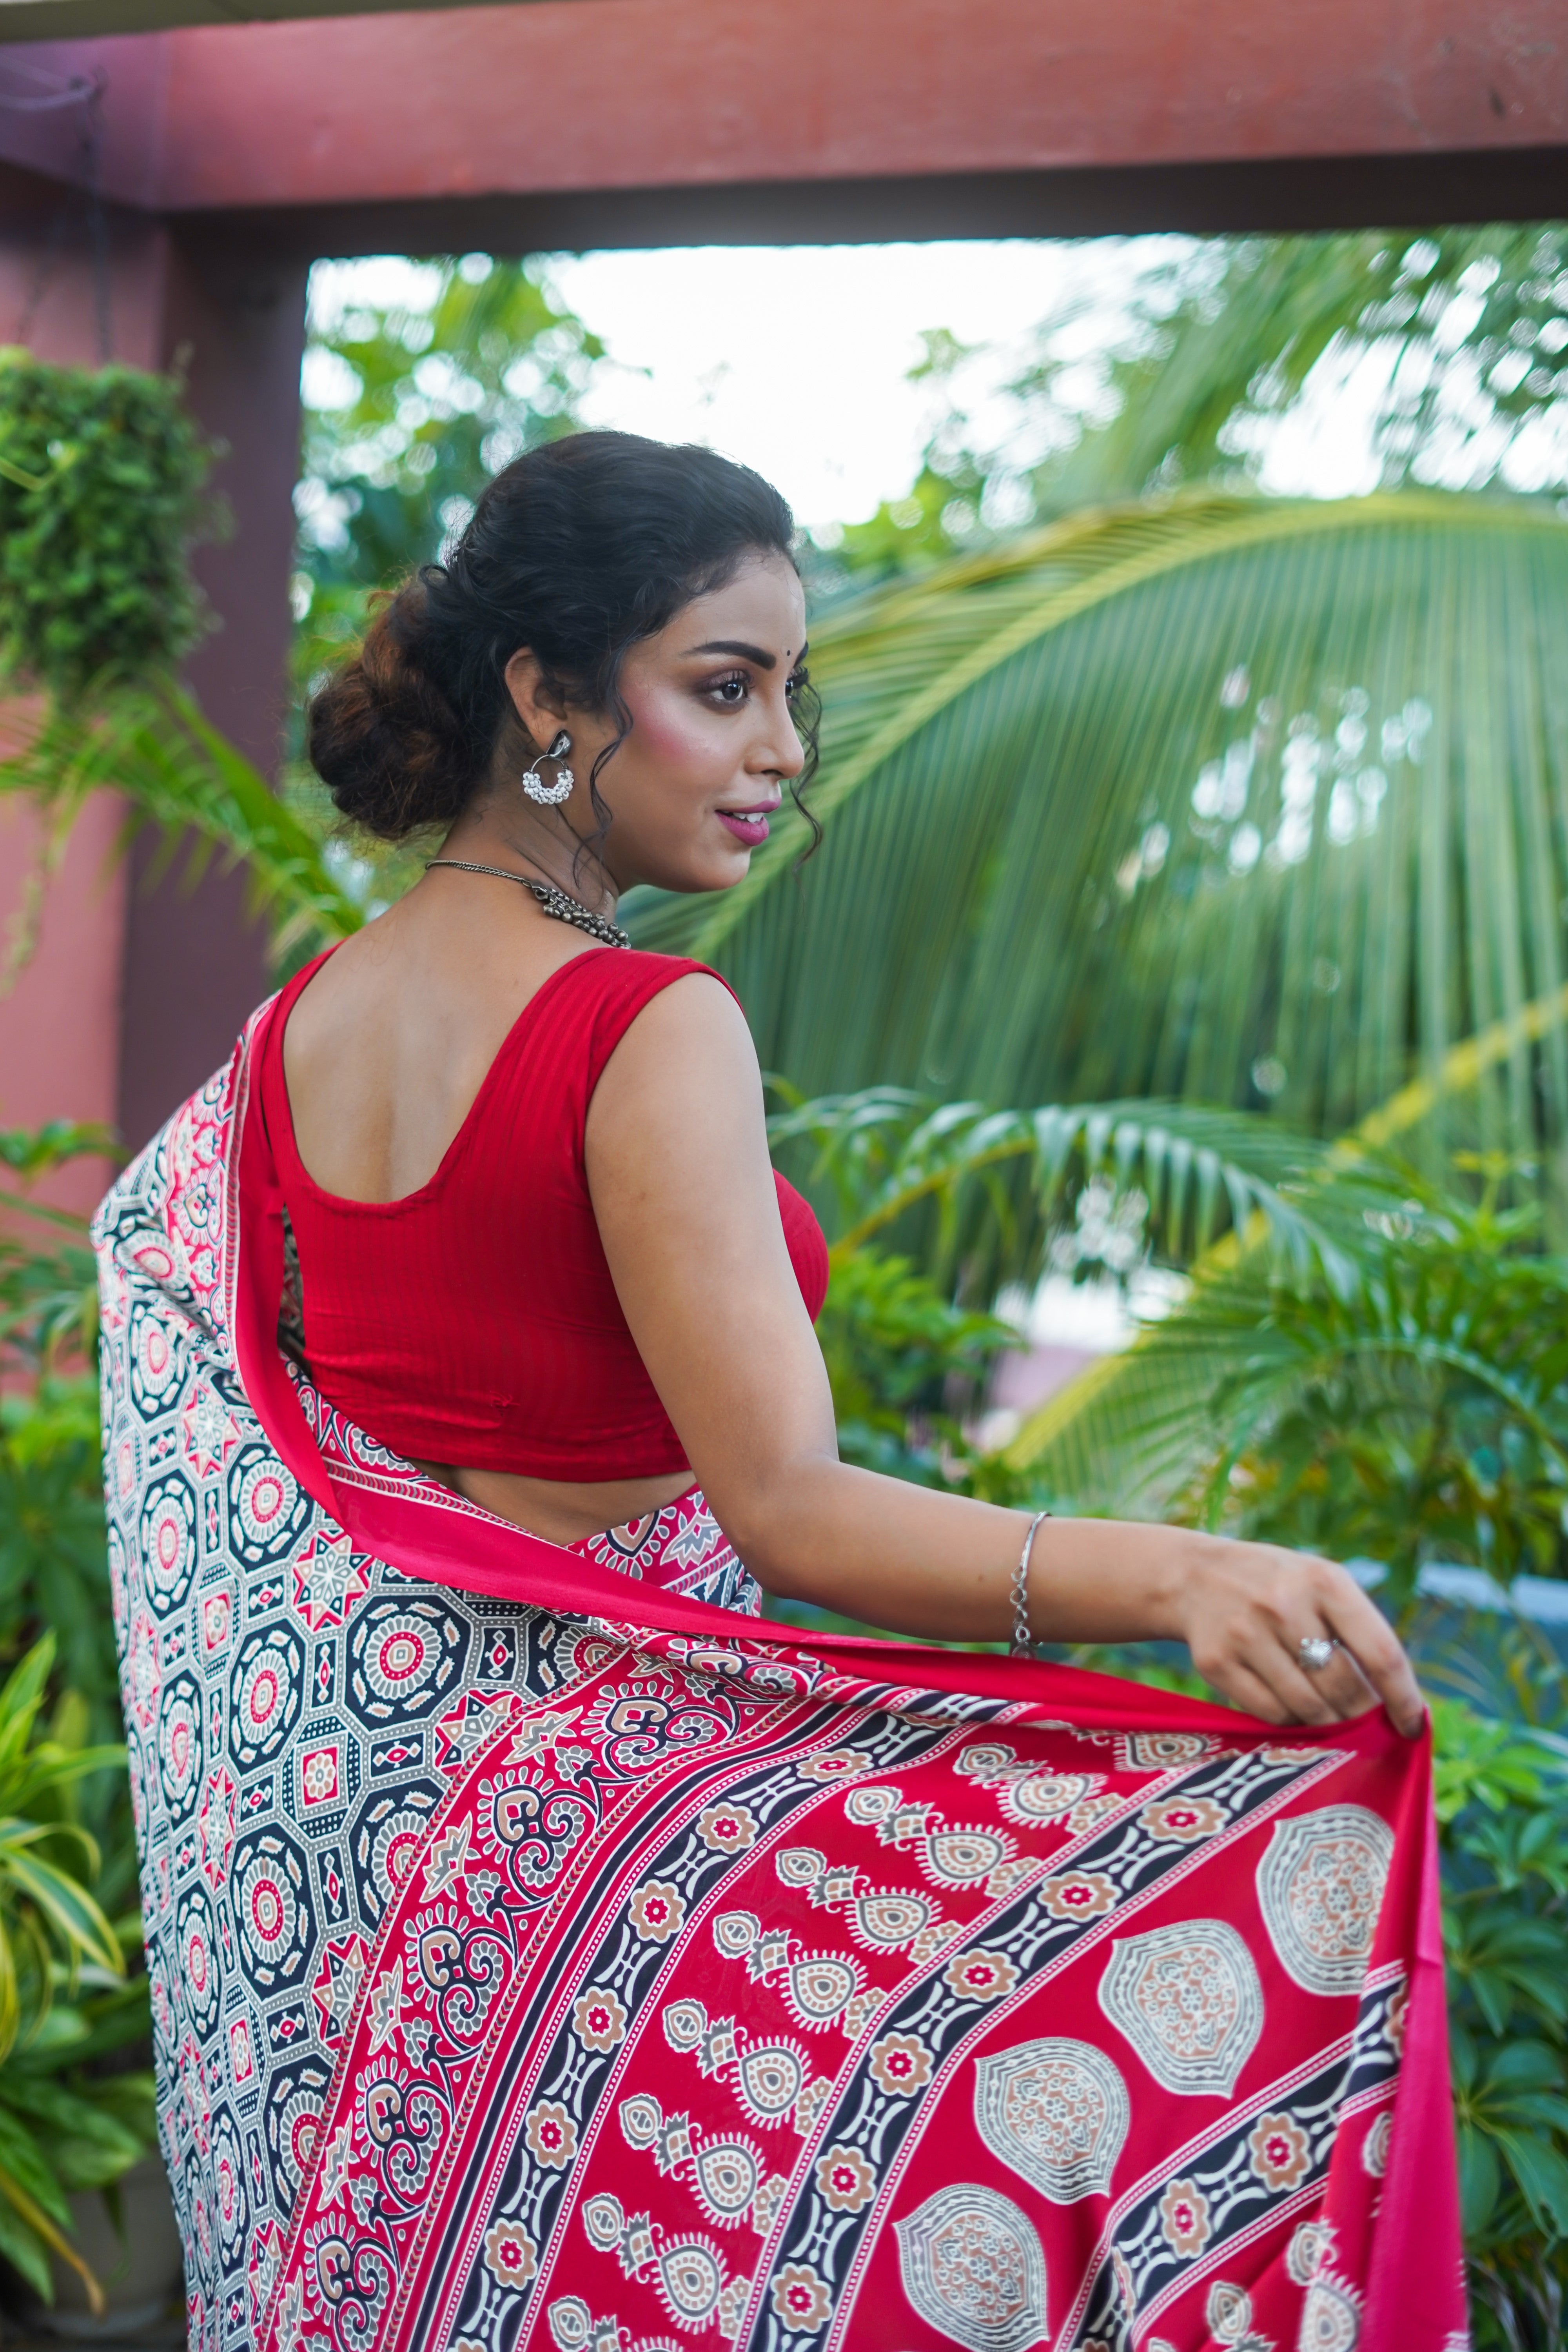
(541, 710)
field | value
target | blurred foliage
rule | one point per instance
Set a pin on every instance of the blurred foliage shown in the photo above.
(76, 2101)
(71, 2115)
(102, 495)
(410, 404)
(1415, 1412)
(1502, 1811)
(904, 1363)
(1461, 334)
(906, 1354)
(981, 1189)
(181, 777)
(54, 1575)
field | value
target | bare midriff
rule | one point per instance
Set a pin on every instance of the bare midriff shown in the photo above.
(565, 1510)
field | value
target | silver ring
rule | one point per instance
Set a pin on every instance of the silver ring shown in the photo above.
(1315, 1651)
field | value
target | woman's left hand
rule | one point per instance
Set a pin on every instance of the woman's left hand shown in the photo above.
(1256, 1616)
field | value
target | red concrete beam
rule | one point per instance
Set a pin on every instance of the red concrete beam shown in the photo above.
(558, 96)
(72, 20)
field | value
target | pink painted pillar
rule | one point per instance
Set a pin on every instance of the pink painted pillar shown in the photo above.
(195, 963)
(137, 992)
(60, 1015)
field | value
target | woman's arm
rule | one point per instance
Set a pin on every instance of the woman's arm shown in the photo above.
(682, 1191)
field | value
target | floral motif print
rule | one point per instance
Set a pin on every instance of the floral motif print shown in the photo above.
(510, 2255)
(800, 2298)
(982, 1975)
(551, 2134)
(599, 2019)
(845, 2181)
(726, 1829)
(1278, 2150)
(1184, 2219)
(1080, 1895)
(834, 1763)
(1184, 1819)
(658, 1910)
(901, 2062)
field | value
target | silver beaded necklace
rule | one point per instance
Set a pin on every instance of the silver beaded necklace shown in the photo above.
(557, 902)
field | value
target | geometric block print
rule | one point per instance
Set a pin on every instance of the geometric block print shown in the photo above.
(1189, 2001)
(972, 2267)
(1057, 2112)
(1320, 1888)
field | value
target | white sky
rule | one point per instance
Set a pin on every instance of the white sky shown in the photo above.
(794, 358)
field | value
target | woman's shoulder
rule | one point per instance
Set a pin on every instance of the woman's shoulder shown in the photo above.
(652, 1011)
(611, 992)
(634, 977)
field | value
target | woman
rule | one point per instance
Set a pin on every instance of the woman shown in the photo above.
(490, 1891)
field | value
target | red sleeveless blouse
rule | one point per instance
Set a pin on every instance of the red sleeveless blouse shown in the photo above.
(475, 1322)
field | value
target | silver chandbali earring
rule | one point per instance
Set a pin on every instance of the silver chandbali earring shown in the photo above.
(534, 784)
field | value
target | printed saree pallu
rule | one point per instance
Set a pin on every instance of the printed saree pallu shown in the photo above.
(542, 1956)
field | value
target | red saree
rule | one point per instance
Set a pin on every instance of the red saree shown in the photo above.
(545, 1957)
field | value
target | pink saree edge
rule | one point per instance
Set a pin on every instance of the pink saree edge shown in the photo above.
(1412, 2302)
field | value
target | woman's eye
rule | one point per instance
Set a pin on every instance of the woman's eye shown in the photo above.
(793, 684)
(731, 691)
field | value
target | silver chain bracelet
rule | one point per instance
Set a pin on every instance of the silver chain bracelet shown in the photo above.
(1023, 1643)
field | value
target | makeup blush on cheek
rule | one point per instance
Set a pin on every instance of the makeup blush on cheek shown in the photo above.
(683, 744)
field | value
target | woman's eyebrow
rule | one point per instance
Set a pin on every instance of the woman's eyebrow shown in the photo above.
(734, 645)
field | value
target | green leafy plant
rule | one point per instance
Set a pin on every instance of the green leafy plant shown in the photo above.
(978, 1193)
(412, 404)
(54, 1574)
(75, 2104)
(902, 1361)
(983, 1187)
(1502, 1811)
(101, 493)
(1415, 1411)
(151, 743)
(64, 2003)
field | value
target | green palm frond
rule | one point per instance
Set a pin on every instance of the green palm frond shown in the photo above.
(887, 1153)
(179, 773)
(1224, 799)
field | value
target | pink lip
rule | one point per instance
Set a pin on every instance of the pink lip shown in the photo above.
(752, 830)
